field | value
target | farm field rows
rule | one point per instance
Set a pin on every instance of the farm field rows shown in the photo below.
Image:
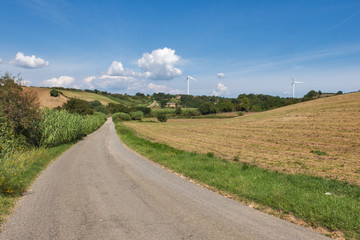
(319, 137)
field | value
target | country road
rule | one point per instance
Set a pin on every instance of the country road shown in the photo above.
(99, 189)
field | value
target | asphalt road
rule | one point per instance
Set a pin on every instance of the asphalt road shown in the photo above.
(99, 189)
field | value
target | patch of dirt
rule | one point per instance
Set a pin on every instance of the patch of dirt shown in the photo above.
(45, 100)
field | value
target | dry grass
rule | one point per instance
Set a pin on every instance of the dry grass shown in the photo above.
(88, 96)
(291, 139)
(44, 97)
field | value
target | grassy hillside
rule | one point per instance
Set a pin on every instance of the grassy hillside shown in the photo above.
(319, 137)
(87, 96)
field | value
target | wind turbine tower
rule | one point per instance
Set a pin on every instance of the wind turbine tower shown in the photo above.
(188, 78)
(293, 83)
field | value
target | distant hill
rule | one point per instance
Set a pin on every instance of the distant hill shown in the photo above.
(46, 100)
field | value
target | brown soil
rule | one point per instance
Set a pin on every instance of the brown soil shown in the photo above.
(44, 97)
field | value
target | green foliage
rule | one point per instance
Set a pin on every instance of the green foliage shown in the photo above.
(94, 104)
(20, 108)
(9, 141)
(54, 93)
(225, 106)
(163, 102)
(178, 111)
(60, 127)
(317, 152)
(339, 93)
(79, 106)
(11, 168)
(136, 115)
(207, 108)
(145, 110)
(121, 117)
(114, 108)
(162, 117)
(240, 113)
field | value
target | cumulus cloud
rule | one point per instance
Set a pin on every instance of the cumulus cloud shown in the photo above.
(29, 61)
(162, 88)
(221, 89)
(107, 81)
(63, 81)
(221, 75)
(160, 64)
(116, 68)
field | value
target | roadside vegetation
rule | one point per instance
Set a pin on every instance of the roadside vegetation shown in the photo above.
(30, 138)
(321, 203)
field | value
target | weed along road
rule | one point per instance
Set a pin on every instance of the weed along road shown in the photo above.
(99, 189)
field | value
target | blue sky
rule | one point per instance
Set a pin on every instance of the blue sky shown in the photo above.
(230, 47)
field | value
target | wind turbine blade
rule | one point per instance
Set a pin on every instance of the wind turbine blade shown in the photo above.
(298, 82)
(192, 78)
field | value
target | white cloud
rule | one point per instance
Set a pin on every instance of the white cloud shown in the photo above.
(221, 75)
(221, 89)
(162, 88)
(160, 64)
(63, 81)
(0, 60)
(89, 79)
(29, 61)
(118, 82)
(116, 69)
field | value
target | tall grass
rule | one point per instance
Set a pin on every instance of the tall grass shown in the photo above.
(60, 127)
(300, 195)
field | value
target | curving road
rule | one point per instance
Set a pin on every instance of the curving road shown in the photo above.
(99, 189)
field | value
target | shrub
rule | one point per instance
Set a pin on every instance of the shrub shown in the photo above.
(121, 117)
(162, 117)
(240, 113)
(145, 110)
(136, 115)
(75, 105)
(9, 142)
(178, 111)
(114, 108)
(20, 108)
(205, 108)
(54, 93)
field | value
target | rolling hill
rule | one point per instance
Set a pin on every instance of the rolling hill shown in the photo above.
(319, 137)
(46, 100)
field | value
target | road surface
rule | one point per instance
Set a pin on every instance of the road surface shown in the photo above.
(99, 189)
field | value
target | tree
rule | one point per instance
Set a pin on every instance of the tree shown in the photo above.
(75, 105)
(20, 108)
(163, 102)
(54, 93)
(178, 111)
(339, 93)
(205, 108)
(161, 117)
(245, 104)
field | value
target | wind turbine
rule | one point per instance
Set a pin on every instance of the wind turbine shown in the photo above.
(293, 83)
(188, 78)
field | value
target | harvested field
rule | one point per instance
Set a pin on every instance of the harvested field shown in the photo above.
(320, 137)
(44, 97)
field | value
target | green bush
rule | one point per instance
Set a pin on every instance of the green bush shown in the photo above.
(75, 105)
(114, 108)
(240, 113)
(206, 108)
(145, 110)
(136, 115)
(178, 111)
(54, 93)
(162, 117)
(121, 117)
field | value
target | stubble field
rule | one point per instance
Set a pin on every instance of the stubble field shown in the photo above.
(320, 137)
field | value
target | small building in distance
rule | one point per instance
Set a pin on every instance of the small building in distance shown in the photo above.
(171, 105)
